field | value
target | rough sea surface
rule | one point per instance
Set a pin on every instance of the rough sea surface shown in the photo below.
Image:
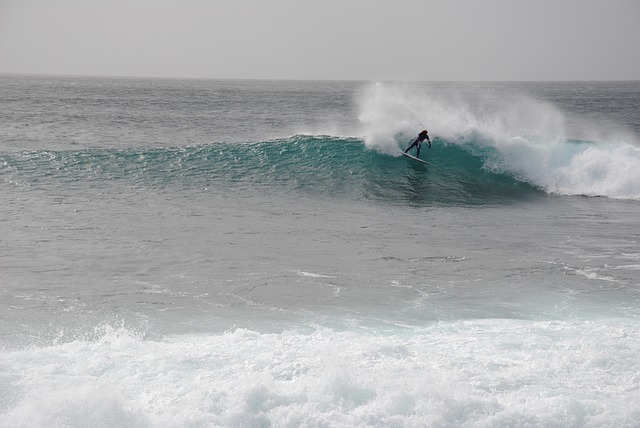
(196, 253)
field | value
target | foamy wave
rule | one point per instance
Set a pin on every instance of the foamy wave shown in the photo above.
(572, 168)
(601, 170)
(472, 373)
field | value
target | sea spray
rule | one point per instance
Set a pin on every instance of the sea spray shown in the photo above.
(526, 138)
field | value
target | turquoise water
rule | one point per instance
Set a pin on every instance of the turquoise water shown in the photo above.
(312, 165)
(230, 253)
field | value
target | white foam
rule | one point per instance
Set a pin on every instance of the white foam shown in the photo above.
(472, 373)
(313, 275)
(630, 267)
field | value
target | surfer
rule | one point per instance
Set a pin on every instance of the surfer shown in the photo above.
(418, 142)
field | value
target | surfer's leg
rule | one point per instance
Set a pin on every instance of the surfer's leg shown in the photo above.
(413, 144)
(418, 151)
(409, 148)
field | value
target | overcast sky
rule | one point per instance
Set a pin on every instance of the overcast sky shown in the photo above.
(324, 39)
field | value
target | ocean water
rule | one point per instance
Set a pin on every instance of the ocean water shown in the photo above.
(203, 253)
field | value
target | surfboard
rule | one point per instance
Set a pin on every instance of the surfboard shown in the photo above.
(415, 158)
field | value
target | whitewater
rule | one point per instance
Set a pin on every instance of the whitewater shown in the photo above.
(187, 253)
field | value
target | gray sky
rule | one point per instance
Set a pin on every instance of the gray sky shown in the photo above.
(324, 39)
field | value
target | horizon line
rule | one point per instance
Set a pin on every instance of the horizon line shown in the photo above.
(284, 79)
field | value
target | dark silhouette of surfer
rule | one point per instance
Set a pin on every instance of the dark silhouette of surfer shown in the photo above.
(418, 142)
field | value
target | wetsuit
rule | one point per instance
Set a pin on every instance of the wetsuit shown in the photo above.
(418, 141)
